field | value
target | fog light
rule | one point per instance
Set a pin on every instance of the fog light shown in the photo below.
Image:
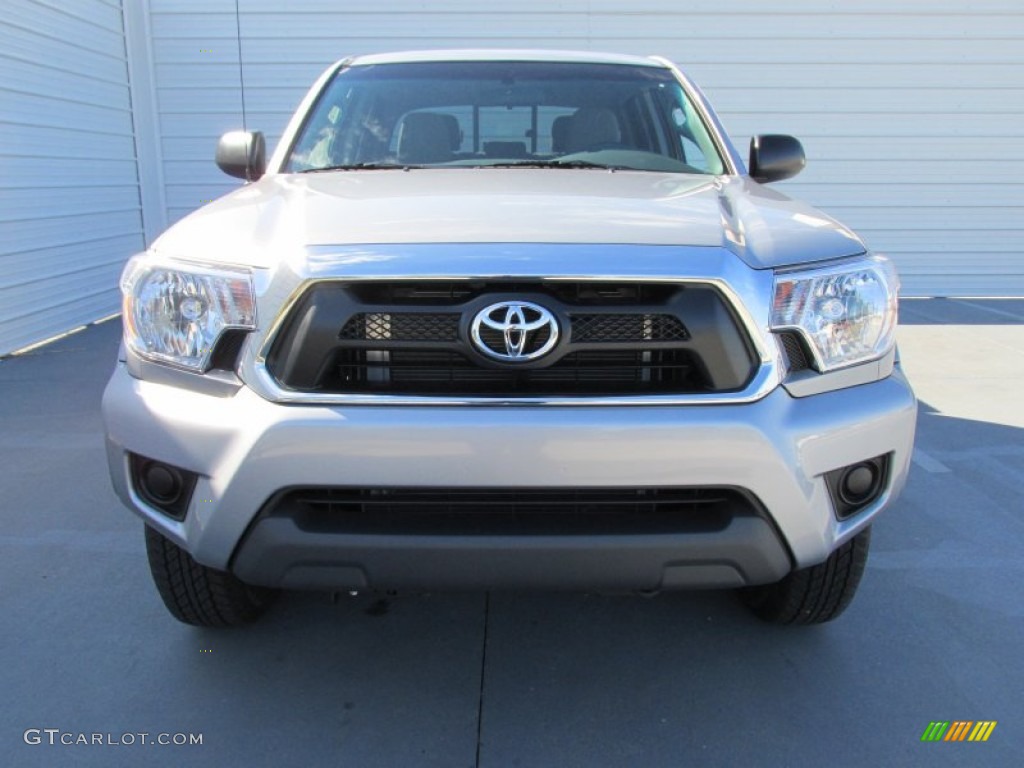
(162, 482)
(856, 486)
(858, 483)
(161, 485)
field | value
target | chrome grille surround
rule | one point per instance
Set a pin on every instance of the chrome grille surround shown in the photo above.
(746, 290)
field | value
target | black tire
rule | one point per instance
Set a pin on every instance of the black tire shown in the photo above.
(198, 595)
(813, 595)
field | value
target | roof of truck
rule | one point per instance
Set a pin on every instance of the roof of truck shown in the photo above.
(504, 54)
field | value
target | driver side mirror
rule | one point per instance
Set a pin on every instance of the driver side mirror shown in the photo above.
(242, 154)
(774, 157)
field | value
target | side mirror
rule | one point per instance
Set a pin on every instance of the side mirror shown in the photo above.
(242, 154)
(774, 157)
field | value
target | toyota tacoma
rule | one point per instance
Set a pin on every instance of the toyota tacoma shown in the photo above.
(508, 320)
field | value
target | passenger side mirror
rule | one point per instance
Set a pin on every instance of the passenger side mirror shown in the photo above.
(242, 154)
(774, 157)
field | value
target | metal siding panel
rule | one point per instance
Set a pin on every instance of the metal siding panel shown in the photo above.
(40, 202)
(48, 263)
(918, 150)
(69, 196)
(64, 142)
(954, 196)
(65, 172)
(867, 218)
(906, 109)
(41, 77)
(198, 94)
(56, 23)
(737, 9)
(26, 45)
(187, 148)
(565, 22)
(206, 50)
(741, 9)
(867, 74)
(219, 22)
(973, 102)
(188, 75)
(57, 296)
(44, 322)
(105, 13)
(934, 171)
(57, 230)
(49, 111)
(208, 125)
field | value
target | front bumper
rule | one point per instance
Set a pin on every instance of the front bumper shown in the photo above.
(245, 449)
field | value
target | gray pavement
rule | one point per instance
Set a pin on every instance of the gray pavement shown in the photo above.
(936, 633)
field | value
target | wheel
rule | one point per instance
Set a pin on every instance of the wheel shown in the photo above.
(816, 594)
(199, 595)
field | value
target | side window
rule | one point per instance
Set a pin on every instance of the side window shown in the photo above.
(690, 142)
(693, 155)
(700, 149)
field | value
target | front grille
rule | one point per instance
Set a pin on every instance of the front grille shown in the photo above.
(415, 339)
(424, 372)
(510, 511)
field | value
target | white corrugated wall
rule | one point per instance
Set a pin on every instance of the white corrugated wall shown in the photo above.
(910, 110)
(70, 210)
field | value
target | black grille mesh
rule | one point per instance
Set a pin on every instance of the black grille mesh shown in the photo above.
(626, 328)
(588, 328)
(793, 348)
(401, 326)
(580, 373)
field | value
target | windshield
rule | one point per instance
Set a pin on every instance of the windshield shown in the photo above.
(494, 113)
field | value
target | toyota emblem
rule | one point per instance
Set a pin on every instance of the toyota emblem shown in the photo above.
(514, 331)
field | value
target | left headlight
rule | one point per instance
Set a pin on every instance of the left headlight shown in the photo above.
(175, 314)
(846, 311)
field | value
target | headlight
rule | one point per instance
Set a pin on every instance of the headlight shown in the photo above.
(846, 312)
(176, 314)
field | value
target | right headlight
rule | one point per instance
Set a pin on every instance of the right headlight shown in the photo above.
(174, 313)
(845, 311)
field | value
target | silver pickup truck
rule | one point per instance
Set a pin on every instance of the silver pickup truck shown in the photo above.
(508, 319)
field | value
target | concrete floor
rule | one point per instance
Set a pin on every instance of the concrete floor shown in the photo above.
(532, 680)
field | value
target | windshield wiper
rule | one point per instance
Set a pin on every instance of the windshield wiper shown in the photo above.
(362, 167)
(556, 164)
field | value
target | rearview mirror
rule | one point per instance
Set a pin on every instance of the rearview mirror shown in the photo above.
(242, 154)
(774, 157)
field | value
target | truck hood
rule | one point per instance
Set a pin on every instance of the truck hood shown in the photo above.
(261, 223)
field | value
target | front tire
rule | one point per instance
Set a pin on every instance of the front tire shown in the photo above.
(198, 595)
(816, 594)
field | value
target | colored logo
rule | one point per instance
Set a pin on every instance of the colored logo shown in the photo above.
(958, 730)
